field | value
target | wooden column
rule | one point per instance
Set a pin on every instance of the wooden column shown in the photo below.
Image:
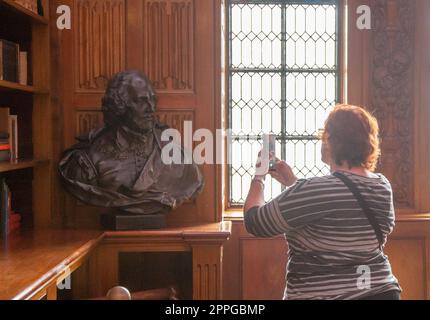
(103, 271)
(207, 272)
(51, 293)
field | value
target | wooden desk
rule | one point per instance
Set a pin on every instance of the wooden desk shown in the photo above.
(32, 263)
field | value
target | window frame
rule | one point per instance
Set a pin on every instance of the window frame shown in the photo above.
(340, 71)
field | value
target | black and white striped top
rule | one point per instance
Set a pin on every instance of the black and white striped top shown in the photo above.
(333, 249)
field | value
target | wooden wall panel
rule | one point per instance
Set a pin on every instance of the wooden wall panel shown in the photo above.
(264, 262)
(169, 44)
(258, 271)
(175, 118)
(421, 107)
(88, 120)
(408, 259)
(391, 91)
(381, 67)
(99, 27)
(175, 42)
(357, 71)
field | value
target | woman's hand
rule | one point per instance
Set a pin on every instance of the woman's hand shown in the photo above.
(255, 196)
(283, 173)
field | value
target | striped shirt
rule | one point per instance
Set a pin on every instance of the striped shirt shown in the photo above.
(333, 251)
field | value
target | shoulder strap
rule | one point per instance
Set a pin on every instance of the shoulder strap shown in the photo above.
(367, 211)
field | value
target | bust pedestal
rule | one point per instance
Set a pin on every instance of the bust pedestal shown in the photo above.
(124, 222)
(204, 242)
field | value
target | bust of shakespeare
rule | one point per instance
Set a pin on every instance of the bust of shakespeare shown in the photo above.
(119, 166)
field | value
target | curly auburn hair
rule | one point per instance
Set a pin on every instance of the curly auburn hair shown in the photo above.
(118, 99)
(352, 136)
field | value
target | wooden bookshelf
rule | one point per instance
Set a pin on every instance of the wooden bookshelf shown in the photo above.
(20, 164)
(15, 8)
(30, 178)
(13, 86)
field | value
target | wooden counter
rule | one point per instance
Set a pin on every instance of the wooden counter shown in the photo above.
(33, 262)
(204, 242)
(202, 232)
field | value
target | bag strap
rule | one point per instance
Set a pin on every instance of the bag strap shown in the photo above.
(367, 211)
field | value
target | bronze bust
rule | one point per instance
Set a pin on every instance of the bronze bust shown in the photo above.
(119, 166)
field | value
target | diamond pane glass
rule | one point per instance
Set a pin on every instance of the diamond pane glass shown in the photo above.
(256, 103)
(256, 36)
(310, 36)
(309, 97)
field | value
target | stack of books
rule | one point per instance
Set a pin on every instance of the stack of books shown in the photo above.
(9, 220)
(8, 135)
(4, 146)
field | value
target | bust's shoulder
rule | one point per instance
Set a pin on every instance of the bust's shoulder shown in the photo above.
(95, 144)
(77, 164)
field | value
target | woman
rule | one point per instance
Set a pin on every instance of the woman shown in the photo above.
(335, 238)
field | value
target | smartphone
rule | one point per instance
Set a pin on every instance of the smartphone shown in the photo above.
(272, 150)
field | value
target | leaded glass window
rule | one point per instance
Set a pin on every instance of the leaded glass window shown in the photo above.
(283, 79)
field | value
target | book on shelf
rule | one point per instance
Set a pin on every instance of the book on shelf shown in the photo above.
(4, 120)
(23, 68)
(13, 136)
(4, 208)
(40, 9)
(4, 140)
(5, 152)
(4, 135)
(13, 227)
(14, 221)
(14, 218)
(9, 220)
(9, 61)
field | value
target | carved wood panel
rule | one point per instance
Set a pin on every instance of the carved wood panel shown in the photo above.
(169, 44)
(161, 39)
(99, 42)
(391, 91)
(88, 120)
(207, 272)
(174, 118)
